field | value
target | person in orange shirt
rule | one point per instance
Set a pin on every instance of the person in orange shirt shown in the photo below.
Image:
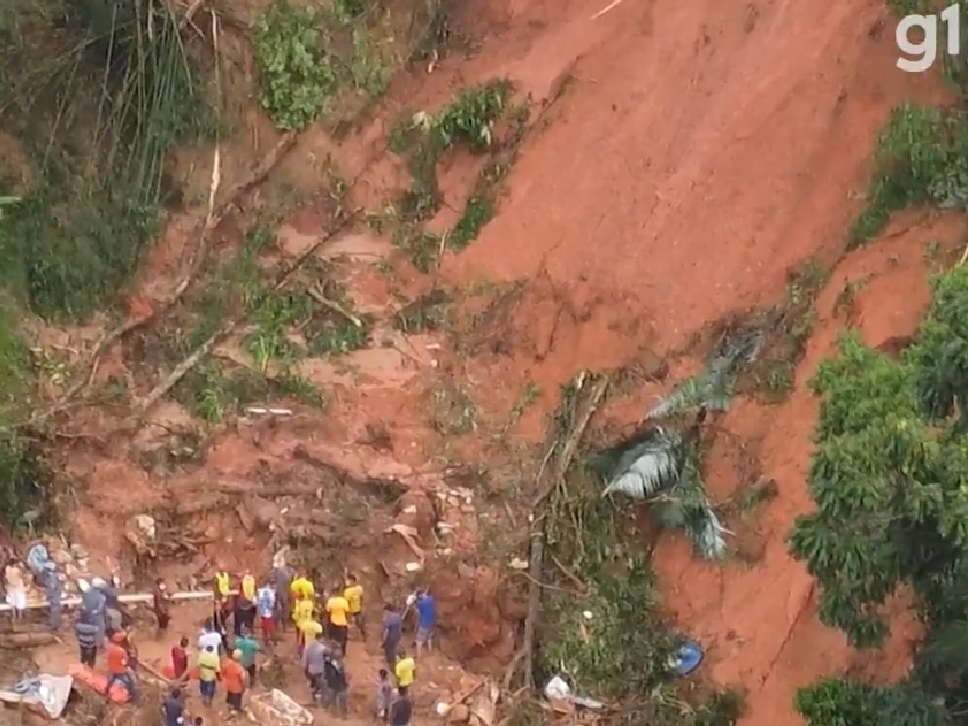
(118, 667)
(234, 678)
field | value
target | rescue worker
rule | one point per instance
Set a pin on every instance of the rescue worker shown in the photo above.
(53, 592)
(86, 633)
(112, 606)
(93, 606)
(222, 589)
(309, 628)
(353, 593)
(282, 577)
(336, 610)
(301, 589)
(245, 604)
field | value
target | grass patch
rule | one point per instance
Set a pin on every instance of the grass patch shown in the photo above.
(921, 158)
(310, 57)
(482, 120)
(788, 328)
(213, 392)
(15, 366)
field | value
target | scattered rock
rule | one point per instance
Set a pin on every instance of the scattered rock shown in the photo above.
(460, 713)
(417, 511)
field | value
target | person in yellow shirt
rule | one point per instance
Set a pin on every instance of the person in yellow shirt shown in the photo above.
(353, 594)
(302, 611)
(222, 587)
(336, 610)
(301, 589)
(308, 630)
(405, 669)
(302, 592)
(209, 670)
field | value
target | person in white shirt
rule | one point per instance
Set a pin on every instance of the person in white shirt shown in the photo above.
(210, 637)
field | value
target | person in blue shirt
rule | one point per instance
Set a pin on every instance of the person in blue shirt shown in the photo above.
(392, 631)
(174, 708)
(426, 608)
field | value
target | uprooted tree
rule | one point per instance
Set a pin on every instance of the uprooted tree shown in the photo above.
(889, 480)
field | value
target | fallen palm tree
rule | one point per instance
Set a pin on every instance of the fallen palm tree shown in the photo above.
(662, 466)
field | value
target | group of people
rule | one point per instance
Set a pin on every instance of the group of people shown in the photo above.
(321, 622)
(228, 650)
(45, 573)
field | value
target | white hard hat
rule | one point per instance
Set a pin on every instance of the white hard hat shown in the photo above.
(98, 583)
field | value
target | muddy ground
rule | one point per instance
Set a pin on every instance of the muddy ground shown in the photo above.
(680, 160)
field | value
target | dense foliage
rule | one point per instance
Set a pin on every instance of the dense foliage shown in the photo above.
(890, 480)
(97, 94)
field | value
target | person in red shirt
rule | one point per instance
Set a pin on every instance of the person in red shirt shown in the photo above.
(233, 677)
(179, 658)
(118, 667)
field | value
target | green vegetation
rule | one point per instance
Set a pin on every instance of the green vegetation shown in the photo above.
(26, 481)
(284, 326)
(481, 119)
(306, 69)
(888, 473)
(888, 481)
(97, 176)
(921, 157)
(622, 653)
(790, 325)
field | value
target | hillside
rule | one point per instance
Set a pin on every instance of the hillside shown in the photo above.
(413, 228)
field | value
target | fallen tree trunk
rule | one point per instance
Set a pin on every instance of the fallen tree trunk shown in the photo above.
(554, 467)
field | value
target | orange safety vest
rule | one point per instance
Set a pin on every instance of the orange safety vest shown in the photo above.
(223, 583)
(248, 587)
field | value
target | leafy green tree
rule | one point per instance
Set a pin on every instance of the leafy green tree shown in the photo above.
(889, 477)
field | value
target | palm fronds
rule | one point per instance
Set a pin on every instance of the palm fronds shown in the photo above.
(663, 468)
(713, 388)
(642, 466)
